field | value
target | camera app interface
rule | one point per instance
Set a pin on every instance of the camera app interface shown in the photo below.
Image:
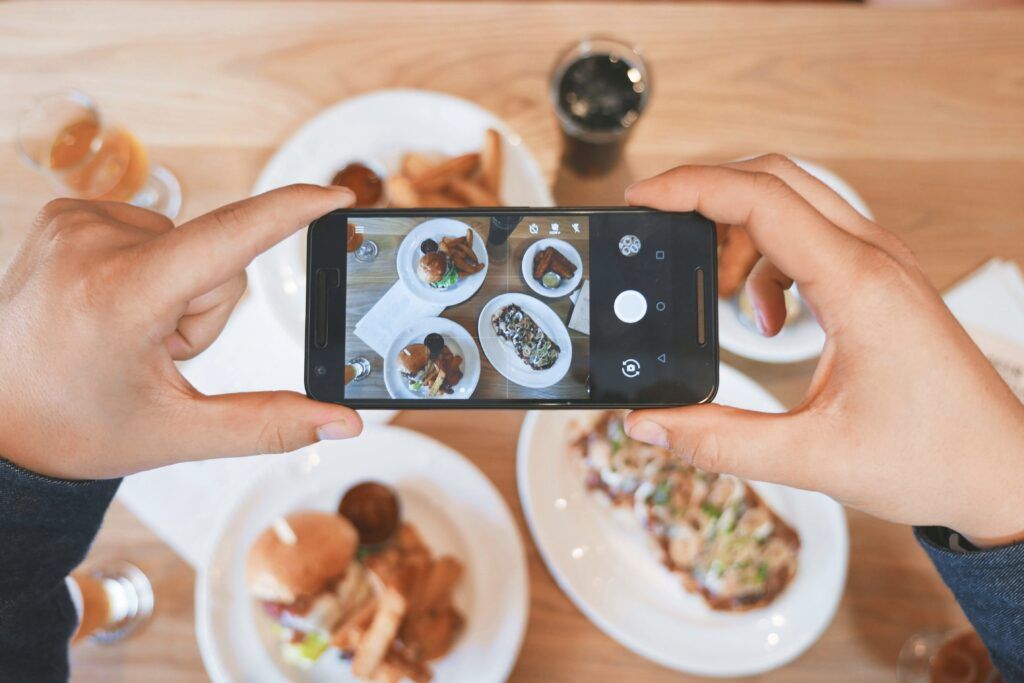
(484, 307)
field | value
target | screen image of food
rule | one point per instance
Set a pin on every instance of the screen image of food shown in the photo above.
(469, 307)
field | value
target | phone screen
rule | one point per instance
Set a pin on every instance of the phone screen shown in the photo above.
(514, 308)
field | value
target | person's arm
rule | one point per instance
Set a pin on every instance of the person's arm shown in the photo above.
(989, 585)
(46, 526)
(99, 302)
(904, 417)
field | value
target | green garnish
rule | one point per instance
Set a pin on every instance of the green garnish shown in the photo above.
(762, 572)
(662, 493)
(712, 511)
(451, 276)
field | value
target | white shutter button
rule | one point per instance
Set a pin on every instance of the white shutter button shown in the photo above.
(630, 306)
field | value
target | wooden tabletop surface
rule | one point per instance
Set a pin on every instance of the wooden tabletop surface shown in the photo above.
(922, 111)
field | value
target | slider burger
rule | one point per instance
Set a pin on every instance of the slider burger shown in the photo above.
(438, 270)
(304, 572)
(413, 360)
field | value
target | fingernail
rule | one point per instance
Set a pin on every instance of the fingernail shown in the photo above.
(344, 194)
(649, 432)
(762, 326)
(340, 429)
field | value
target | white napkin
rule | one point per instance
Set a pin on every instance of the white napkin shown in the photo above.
(392, 313)
(580, 318)
(990, 305)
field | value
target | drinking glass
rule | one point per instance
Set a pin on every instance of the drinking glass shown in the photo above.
(599, 89)
(112, 600)
(63, 137)
(363, 249)
(356, 369)
(945, 656)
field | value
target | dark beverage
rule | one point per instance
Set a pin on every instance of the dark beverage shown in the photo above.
(599, 88)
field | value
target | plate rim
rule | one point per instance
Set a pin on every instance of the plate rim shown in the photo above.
(212, 662)
(628, 640)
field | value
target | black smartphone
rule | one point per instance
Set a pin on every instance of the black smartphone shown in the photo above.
(511, 307)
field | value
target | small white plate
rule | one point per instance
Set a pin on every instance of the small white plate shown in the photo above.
(457, 339)
(504, 359)
(566, 250)
(802, 339)
(456, 509)
(408, 259)
(611, 575)
(378, 128)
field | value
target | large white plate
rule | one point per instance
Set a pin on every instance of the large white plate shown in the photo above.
(504, 359)
(378, 127)
(803, 339)
(566, 250)
(457, 510)
(613, 578)
(408, 259)
(457, 339)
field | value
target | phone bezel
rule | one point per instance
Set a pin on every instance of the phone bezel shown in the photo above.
(323, 240)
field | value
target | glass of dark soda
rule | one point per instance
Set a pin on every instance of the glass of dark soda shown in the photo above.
(599, 88)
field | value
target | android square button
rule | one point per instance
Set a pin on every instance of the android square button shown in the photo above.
(630, 306)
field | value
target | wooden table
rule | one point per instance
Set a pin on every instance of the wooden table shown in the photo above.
(922, 111)
(369, 282)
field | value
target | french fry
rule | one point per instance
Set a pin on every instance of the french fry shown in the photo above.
(374, 644)
(438, 177)
(472, 193)
(469, 237)
(347, 636)
(402, 193)
(415, 164)
(490, 162)
(444, 573)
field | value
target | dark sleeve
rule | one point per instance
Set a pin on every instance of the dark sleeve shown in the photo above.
(46, 526)
(989, 585)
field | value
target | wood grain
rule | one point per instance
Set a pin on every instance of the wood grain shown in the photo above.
(921, 110)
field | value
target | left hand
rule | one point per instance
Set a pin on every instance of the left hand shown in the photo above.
(100, 301)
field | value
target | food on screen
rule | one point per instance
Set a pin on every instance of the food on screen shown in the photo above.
(530, 343)
(386, 606)
(430, 368)
(712, 530)
(550, 268)
(442, 264)
(471, 179)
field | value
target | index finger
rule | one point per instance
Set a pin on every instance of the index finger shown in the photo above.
(209, 250)
(783, 225)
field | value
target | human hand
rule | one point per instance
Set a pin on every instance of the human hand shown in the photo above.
(904, 417)
(99, 302)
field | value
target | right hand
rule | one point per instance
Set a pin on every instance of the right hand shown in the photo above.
(904, 417)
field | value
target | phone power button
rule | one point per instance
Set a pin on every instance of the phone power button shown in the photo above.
(630, 306)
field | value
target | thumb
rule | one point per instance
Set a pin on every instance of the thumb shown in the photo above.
(265, 422)
(715, 438)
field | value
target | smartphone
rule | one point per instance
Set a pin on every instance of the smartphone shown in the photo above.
(511, 308)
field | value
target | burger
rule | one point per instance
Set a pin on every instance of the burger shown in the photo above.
(438, 270)
(303, 570)
(413, 361)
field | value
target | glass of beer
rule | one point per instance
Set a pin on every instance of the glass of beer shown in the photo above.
(599, 88)
(63, 137)
(945, 656)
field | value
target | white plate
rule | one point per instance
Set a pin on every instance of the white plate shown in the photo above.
(378, 127)
(408, 259)
(457, 339)
(612, 576)
(802, 339)
(566, 250)
(457, 510)
(504, 359)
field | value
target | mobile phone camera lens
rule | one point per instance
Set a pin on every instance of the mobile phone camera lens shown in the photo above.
(320, 370)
